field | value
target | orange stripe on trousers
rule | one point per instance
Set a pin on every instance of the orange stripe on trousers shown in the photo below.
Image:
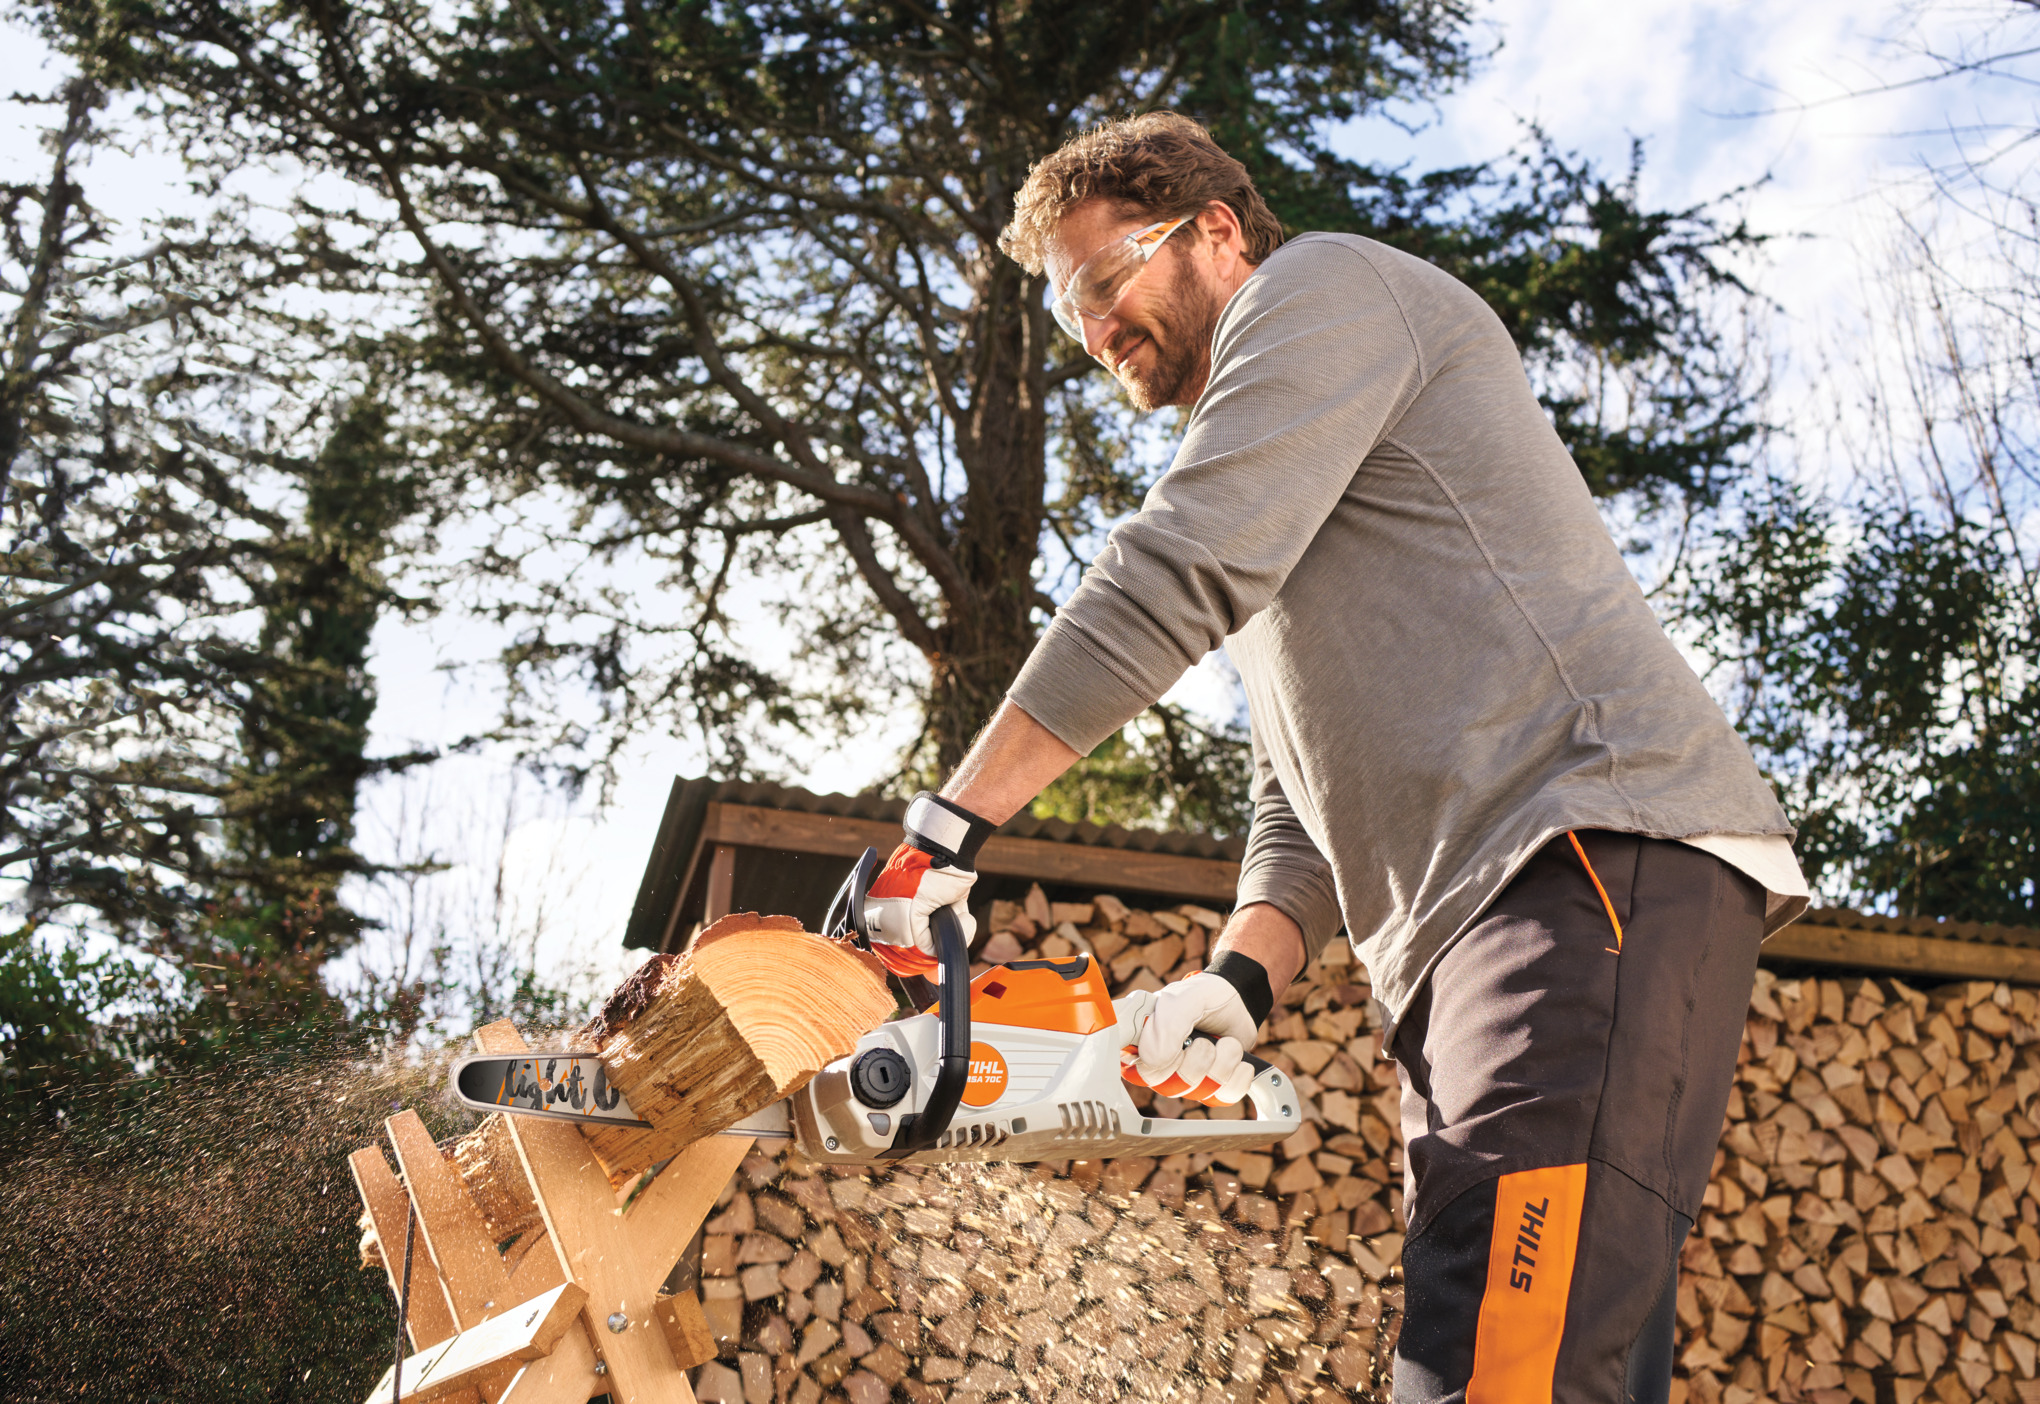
(1530, 1267)
(1613, 920)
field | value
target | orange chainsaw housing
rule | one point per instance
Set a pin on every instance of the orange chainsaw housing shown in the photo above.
(1059, 996)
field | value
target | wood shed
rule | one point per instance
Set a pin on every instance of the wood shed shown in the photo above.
(728, 846)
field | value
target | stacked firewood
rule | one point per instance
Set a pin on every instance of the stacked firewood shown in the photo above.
(1867, 1235)
(1872, 1222)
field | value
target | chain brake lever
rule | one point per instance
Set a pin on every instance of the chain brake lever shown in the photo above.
(845, 917)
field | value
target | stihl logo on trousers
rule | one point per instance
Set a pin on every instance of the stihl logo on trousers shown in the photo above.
(1529, 1238)
(1532, 1242)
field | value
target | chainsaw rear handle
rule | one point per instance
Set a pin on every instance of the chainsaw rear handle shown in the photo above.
(920, 1130)
(1259, 1065)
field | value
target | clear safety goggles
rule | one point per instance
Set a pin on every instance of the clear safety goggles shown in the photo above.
(1103, 278)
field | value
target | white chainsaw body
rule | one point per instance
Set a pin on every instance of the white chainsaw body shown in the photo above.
(1022, 1063)
(1062, 1097)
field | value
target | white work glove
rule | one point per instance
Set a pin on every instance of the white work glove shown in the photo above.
(933, 868)
(1213, 1071)
(903, 896)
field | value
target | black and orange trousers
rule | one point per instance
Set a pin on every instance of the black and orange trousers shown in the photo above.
(1565, 1071)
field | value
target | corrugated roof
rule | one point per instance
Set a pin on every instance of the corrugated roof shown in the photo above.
(1023, 825)
(1977, 932)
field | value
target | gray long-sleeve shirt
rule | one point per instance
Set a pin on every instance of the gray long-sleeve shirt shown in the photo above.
(1447, 663)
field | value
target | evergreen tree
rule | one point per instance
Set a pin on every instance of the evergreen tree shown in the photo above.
(185, 609)
(290, 817)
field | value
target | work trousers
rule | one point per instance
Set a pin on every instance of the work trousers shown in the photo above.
(1565, 1070)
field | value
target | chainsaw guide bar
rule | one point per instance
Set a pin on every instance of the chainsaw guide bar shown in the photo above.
(555, 1085)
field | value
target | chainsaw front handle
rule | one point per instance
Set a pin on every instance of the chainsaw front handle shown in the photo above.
(920, 1130)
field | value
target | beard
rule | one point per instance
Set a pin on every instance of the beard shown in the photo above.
(1179, 328)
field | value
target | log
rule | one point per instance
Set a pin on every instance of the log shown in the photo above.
(698, 1041)
(504, 1199)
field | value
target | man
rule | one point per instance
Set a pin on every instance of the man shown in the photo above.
(1474, 746)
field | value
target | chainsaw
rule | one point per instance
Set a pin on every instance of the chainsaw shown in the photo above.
(1020, 1064)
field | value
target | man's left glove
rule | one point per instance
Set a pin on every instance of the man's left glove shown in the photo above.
(934, 867)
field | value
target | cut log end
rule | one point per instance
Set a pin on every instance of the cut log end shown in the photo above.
(793, 1017)
(742, 1020)
(696, 1042)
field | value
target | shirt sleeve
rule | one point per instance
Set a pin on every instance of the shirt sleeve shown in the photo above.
(1283, 867)
(1312, 363)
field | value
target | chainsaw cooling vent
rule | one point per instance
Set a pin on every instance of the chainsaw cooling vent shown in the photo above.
(1087, 1121)
(978, 1133)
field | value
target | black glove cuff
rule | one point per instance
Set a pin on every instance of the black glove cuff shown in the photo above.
(1250, 978)
(946, 831)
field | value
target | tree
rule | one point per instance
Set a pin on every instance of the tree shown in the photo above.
(60, 1019)
(1884, 666)
(718, 285)
(289, 805)
(189, 575)
(1878, 619)
(1879, 632)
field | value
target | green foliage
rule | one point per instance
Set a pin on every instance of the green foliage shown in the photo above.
(1165, 770)
(59, 1012)
(1886, 669)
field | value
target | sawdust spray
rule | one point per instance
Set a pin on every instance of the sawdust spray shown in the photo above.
(192, 1238)
(1051, 1282)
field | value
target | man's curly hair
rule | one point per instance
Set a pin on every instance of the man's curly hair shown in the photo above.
(1159, 164)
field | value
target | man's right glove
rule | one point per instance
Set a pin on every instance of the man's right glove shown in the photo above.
(931, 869)
(1227, 1001)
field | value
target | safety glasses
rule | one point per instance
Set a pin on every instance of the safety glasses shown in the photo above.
(1104, 277)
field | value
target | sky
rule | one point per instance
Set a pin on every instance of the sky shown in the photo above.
(1814, 108)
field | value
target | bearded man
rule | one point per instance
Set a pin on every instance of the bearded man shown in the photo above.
(1474, 748)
